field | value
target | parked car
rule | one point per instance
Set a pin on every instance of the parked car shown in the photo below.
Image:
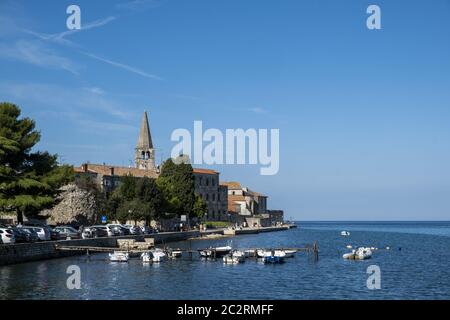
(55, 235)
(20, 235)
(42, 232)
(68, 232)
(118, 229)
(47, 230)
(133, 229)
(88, 232)
(7, 235)
(146, 230)
(32, 234)
(109, 230)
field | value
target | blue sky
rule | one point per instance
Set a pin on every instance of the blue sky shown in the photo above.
(363, 115)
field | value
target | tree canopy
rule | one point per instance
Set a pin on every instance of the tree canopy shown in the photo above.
(29, 180)
(177, 183)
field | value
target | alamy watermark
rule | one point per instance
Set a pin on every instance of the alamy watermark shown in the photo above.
(74, 280)
(235, 146)
(373, 22)
(374, 279)
(73, 21)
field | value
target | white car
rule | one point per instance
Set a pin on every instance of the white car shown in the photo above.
(110, 230)
(117, 229)
(7, 235)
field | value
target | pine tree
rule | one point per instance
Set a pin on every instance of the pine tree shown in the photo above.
(29, 181)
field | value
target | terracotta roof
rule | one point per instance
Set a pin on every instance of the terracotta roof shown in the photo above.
(232, 185)
(118, 171)
(204, 171)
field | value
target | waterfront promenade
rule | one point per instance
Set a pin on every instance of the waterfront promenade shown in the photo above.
(26, 252)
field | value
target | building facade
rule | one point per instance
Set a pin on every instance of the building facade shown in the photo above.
(248, 206)
(206, 181)
(244, 201)
(208, 187)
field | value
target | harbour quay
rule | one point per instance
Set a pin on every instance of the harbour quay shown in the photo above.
(27, 252)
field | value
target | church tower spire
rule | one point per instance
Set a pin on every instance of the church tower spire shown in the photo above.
(145, 154)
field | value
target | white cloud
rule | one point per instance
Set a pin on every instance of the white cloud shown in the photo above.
(35, 53)
(123, 66)
(60, 37)
(69, 100)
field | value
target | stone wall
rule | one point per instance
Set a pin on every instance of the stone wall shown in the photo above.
(76, 207)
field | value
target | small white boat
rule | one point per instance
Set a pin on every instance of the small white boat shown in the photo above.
(349, 246)
(154, 255)
(119, 256)
(175, 253)
(290, 253)
(217, 252)
(238, 254)
(146, 257)
(158, 255)
(361, 253)
(345, 233)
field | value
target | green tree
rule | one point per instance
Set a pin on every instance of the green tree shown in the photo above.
(176, 182)
(29, 181)
(119, 205)
(200, 207)
(151, 198)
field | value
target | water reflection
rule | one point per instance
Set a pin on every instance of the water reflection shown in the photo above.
(418, 271)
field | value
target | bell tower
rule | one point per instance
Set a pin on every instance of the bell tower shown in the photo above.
(144, 152)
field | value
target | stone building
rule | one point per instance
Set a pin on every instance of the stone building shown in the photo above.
(206, 181)
(244, 201)
(216, 195)
(250, 206)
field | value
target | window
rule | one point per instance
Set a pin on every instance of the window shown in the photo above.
(207, 197)
(213, 197)
(207, 181)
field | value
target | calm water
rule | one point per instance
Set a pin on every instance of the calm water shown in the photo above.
(420, 270)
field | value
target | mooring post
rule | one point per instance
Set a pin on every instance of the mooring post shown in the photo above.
(316, 251)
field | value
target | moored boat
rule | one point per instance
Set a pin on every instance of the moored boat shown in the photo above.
(154, 255)
(175, 253)
(361, 253)
(216, 252)
(158, 255)
(274, 256)
(290, 253)
(119, 256)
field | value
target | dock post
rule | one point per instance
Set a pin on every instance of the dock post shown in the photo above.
(316, 251)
